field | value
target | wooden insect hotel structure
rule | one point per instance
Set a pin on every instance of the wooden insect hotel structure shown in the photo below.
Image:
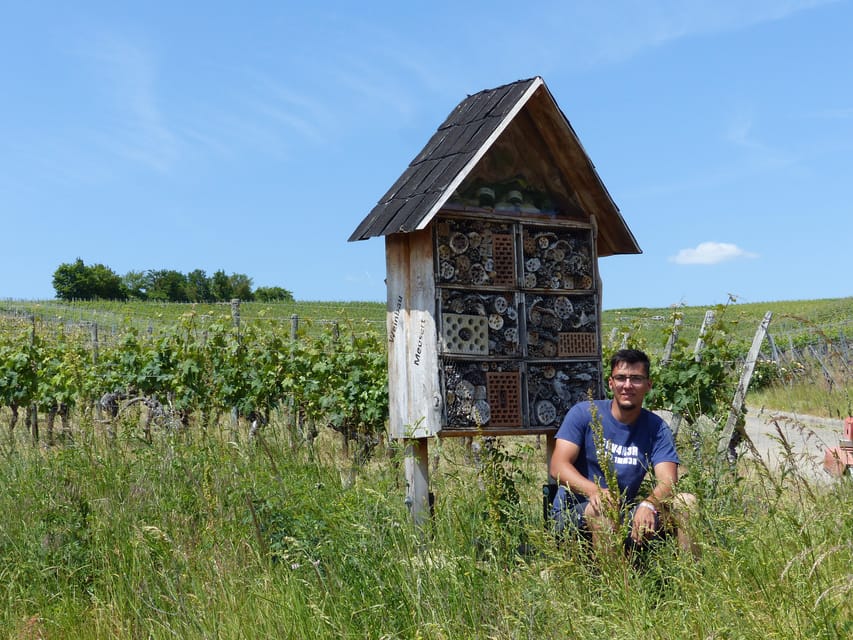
(492, 237)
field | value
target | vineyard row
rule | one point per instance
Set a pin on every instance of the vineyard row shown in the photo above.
(194, 373)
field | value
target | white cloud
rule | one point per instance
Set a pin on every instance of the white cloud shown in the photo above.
(711, 253)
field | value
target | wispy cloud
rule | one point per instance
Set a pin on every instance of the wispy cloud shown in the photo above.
(137, 128)
(834, 114)
(612, 33)
(711, 253)
(290, 107)
(740, 133)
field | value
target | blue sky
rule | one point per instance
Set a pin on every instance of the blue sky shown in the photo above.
(254, 137)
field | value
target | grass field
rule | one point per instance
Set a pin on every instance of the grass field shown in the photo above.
(207, 533)
(206, 537)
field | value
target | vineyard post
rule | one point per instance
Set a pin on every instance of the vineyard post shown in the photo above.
(670, 343)
(235, 319)
(773, 349)
(745, 378)
(827, 374)
(94, 330)
(295, 411)
(235, 313)
(707, 321)
(33, 409)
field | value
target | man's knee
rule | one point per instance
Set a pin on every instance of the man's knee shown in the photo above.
(684, 503)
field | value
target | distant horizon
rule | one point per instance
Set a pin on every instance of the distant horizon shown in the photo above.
(383, 302)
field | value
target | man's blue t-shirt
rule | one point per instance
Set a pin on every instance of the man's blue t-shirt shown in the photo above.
(633, 450)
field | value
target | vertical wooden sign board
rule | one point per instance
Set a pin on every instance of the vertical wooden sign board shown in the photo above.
(414, 403)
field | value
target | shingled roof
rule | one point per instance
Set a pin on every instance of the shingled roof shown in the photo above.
(461, 142)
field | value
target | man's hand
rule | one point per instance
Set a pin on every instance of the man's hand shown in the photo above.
(643, 524)
(602, 502)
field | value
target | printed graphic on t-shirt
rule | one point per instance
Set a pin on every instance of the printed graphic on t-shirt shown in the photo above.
(622, 454)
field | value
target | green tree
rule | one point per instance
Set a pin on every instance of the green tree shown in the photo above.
(76, 281)
(71, 281)
(198, 286)
(273, 294)
(167, 285)
(136, 284)
(241, 286)
(107, 284)
(220, 286)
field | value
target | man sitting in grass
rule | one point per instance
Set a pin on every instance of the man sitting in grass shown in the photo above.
(635, 441)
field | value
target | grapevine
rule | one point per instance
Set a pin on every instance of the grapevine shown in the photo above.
(194, 372)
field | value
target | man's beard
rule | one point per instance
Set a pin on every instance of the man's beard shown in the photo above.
(626, 404)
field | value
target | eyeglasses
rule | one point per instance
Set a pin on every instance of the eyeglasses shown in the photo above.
(634, 379)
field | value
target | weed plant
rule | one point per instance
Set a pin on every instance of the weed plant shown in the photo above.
(204, 535)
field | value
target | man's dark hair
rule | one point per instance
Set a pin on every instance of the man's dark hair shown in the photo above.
(630, 356)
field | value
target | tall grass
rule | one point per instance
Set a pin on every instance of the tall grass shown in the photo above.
(198, 536)
(818, 387)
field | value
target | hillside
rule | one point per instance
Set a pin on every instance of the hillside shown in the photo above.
(792, 319)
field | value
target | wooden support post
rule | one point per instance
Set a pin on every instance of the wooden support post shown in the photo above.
(743, 385)
(417, 480)
(235, 319)
(707, 321)
(670, 343)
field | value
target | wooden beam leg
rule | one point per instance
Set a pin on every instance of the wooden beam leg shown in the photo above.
(417, 480)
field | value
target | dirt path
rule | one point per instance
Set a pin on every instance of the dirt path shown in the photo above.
(808, 437)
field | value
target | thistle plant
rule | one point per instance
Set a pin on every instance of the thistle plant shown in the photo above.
(617, 530)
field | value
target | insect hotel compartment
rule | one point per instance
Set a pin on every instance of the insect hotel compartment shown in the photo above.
(561, 326)
(556, 258)
(482, 394)
(472, 252)
(554, 387)
(484, 324)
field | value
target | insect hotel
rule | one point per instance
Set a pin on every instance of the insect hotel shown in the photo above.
(492, 237)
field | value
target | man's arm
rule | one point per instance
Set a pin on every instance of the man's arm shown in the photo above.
(666, 475)
(563, 468)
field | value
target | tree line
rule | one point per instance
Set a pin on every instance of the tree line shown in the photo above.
(78, 281)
